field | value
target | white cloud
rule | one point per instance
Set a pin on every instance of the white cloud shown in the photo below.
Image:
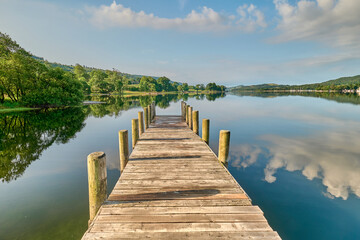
(334, 159)
(336, 22)
(249, 18)
(245, 155)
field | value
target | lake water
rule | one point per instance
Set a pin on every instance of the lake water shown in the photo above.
(297, 157)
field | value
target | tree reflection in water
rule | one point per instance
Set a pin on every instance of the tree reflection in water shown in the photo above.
(24, 136)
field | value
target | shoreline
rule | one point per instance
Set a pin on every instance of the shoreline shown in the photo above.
(125, 94)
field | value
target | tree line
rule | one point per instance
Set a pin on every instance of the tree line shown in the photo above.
(35, 82)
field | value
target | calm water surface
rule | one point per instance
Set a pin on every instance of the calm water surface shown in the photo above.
(297, 157)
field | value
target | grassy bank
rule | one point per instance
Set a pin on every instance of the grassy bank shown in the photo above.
(191, 92)
(9, 106)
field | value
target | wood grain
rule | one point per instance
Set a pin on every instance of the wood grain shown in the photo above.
(174, 187)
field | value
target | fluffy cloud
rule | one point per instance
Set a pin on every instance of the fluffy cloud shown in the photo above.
(334, 159)
(248, 18)
(336, 22)
(243, 156)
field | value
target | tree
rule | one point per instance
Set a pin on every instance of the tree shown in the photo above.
(144, 84)
(56, 89)
(149, 84)
(164, 84)
(29, 81)
(114, 78)
(81, 73)
(180, 88)
(98, 83)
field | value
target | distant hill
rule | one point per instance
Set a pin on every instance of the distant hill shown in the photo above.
(344, 80)
(336, 84)
(133, 77)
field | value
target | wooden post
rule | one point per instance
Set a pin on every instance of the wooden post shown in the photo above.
(123, 149)
(224, 142)
(190, 109)
(205, 130)
(149, 114)
(184, 110)
(97, 180)
(187, 114)
(141, 123)
(135, 131)
(146, 117)
(154, 110)
(195, 122)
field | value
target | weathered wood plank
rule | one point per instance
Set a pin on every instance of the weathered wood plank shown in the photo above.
(180, 227)
(199, 189)
(172, 195)
(267, 235)
(190, 210)
(178, 203)
(181, 218)
(174, 187)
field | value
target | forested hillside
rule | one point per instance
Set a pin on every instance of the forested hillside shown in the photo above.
(340, 84)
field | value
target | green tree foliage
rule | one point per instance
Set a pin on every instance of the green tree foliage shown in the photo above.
(106, 81)
(148, 84)
(215, 87)
(114, 78)
(57, 88)
(338, 85)
(164, 84)
(24, 79)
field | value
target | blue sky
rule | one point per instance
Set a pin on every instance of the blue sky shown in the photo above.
(230, 42)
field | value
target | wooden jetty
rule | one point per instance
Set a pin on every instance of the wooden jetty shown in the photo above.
(174, 187)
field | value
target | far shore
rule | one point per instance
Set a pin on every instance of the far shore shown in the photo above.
(6, 109)
(298, 90)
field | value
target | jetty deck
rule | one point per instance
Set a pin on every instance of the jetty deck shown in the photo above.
(174, 187)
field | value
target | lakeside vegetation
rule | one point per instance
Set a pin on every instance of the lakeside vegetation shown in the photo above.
(344, 84)
(27, 81)
(25, 135)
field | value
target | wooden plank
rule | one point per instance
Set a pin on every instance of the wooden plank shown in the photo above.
(178, 203)
(152, 176)
(171, 169)
(174, 187)
(254, 235)
(119, 190)
(181, 218)
(192, 210)
(168, 196)
(180, 227)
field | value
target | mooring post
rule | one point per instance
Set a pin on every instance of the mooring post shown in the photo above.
(154, 110)
(187, 114)
(182, 109)
(149, 114)
(135, 131)
(224, 142)
(205, 130)
(185, 108)
(123, 149)
(195, 122)
(146, 118)
(97, 180)
(190, 117)
(141, 123)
